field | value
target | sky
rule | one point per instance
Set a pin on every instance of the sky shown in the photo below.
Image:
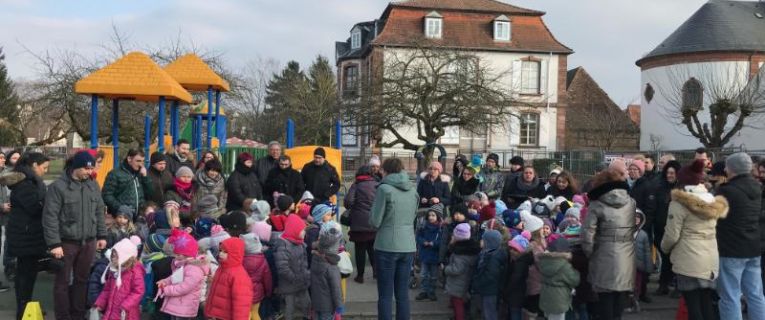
(607, 36)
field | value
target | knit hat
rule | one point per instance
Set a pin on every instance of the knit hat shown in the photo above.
(125, 249)
(155, 242)
(579, 199)
(739, 163)
(320, 152)
(234, 222)
(319, 211)
(718, 169)
(251, 244)
(207, 204)
(493, 156)
(475, 161)
(500, 206)
(307, 197)
(574, 212)
(525, 206)
(183, 243)
(157, 157)
(491, 239)
(438, 208)
(293, 228)
(329, 237)
(488, 212)
(244, 156)
(217, 235)
(517, 160)
(531, 223)
(83, 159)
(692, 174)
(184, 172)
(260, 210)
(511, 217)
(203, 227)
(125, 211)
(559, 245)
(461, 232)
(640, 164)
(262, 229)
(374, 161)
(284, 202)
(520, 242)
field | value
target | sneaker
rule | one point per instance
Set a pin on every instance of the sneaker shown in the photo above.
(432, 297)
(4, 288)
(421, 296)
(646, 299)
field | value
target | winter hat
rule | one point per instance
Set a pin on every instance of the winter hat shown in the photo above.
(284, 202)
(517, 160)
(691, 175)
(261, 229)
(525, 206)
(125, 249)
(500, 206)
(218, 235)
(320, 152)
(559, 245)
(303, 210)
(579, 199)
(160, 220)
(244, 156)
(172, 204)
(319, 211)
(183, 243)
(329, 237)
(482, 197)
(488, 212)
(739, 163)
(531, 223)
(718, 169)
(493, 156)
(475, 161)
(155, 242)
(184, 172)
(157, 157)
(234, 222)
(556, 171)
(374, 161)
(512, 218)
(260, 210)
(203, 227)
(438, 208)
(208, 204)
(251, 244)
(574, 212)
(640, 164)
(491, 239)
(293, 229)
(125, 211)
(83, 159)
(520, 242)
(461, 232)
(547, 222)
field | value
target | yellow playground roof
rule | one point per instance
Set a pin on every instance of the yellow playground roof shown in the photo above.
(195, 75)
(201, 109)
(134, 76)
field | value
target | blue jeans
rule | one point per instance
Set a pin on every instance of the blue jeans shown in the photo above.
(393, 270)
(737, 276)
(489, 304)
(429, 274)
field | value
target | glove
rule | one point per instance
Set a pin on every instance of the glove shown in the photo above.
(340, 310)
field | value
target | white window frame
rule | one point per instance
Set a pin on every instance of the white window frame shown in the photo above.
(434, 28)
(502, 30)
(528, 136)
(356, 39)
(529, 83)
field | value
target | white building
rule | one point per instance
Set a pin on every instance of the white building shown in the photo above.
(722, 45)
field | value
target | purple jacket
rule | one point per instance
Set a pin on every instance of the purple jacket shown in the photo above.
(113, 300)
(182, 299)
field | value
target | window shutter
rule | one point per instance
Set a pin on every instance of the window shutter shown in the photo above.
(543, 67)
(516, 84)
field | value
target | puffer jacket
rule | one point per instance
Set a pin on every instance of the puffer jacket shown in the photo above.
(559, 278)
(517, 272)
(738, 235)
(438, 188)
(94, 280)
(182, 299)
(125, 187)
(689, 237)
(643, 246)
(24, 232)
(112, 300)
(73, 211)
(257, 268)
(287, 181)
(492, 182)
(429, 233)
(161, 182)
(291, 267)
(534, 279)
(242, 184)
(459, 271)
(359, 201)
(230, 295)
(204, 185)
(326, 295)
(488, 276)
(608, 238)
(322, 181)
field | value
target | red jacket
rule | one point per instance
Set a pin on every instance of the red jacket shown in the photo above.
(113, 300)
(230, 295)
(260, 274)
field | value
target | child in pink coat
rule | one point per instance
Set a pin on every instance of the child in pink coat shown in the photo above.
(182, 291)
(123, 283)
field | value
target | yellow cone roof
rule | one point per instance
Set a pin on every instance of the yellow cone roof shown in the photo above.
(134, 76)
(201, 109)
(195, 75)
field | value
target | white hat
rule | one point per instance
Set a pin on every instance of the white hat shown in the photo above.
(531, 223)
(525, 206)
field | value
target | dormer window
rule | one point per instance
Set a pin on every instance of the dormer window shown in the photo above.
(502, 28)
(355, 38)
(433, 25)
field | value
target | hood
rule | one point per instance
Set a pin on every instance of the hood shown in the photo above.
(399, 181)
(241, 168)
(11, 178)
(550, 263)
(700, 208)
(292, 228)
(235, 249)
(443, 177)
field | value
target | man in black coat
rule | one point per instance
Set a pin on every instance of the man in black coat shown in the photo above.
(242, 185)
(738, 240)
(284, 179)
(264, 165)
(320, 177)
(180, 157)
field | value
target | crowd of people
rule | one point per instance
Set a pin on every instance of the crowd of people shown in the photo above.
(181, 240)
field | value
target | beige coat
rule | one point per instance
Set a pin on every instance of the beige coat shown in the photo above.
(690, 236)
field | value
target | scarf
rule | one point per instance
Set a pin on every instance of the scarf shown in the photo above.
(180, 158)
(183, 189)
(524, 187)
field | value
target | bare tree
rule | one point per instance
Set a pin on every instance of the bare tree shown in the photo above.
(713, 102)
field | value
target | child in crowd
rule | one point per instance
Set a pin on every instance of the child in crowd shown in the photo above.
(284, 206)
(326, 295)
(537, 245)
(303, 208)
(560, 278)
(211, 243)
(458, 215)
(488, 274)
(145, 213)
(521, 258)
(260, 228)
(292, 269)
(428, 243)
(461, 266)
(122, 228)
(155, 262)
(182, 290)
(512, 219)
(95, 286)
(643, 260)
(584, 295)
(123, 283)
(234, 222)
(257, 268)
(183, 194)
(320, 214)
(230, 295)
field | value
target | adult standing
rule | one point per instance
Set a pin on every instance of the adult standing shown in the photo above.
(264, 165)
(522, 188)
(598, 169)
(180, 156)
(359, 201)
(460, 162)
(761, 178)
(206, 156)
(392, 214)
(25, 230)
(464, 186)
(375, 167)
(641, 189)
(12, 157)
(738, 240)
(651, 171)
(160, 177)
(127, 184)
(209, 181)
(5, 209)
(242, 184)
(516, 168)
(689, 238)
(434, 187)
(492, 179)
(664, 187)
(285, 180)
(608, 241)
(73, 225)
(320, 177)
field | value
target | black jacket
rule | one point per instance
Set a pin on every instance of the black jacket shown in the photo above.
(286, 181)
(516, 272)
(514, 193)
(263, 168)
(433, 189)
(462, 189)
(242, 184)
(643, 193)
(662, 198)
(25, 228)
(161, 182)
(174, 163)
(359, 202)
(322, 181)
(738, 235)
(762, 221)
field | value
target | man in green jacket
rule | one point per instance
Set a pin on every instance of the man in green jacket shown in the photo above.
(128, 184)
(393, 213)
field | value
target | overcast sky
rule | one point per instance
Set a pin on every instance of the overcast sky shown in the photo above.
(607, 36)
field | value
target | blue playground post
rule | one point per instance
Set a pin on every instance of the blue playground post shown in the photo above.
(209, 117)
(290, 133)
(146, 138)
(217, 118)
(223, 133)
(161, 126)
(338, 134)
(199, 137)
(174, 121)
(116, 131)
(94, 122)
